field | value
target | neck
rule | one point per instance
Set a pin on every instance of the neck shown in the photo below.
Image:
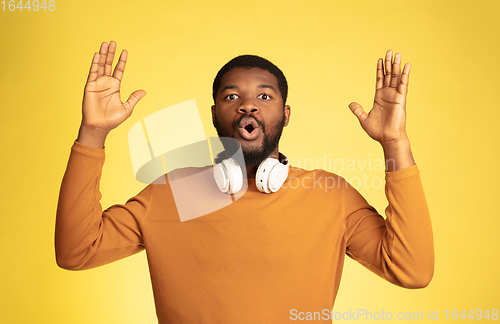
(252, 169)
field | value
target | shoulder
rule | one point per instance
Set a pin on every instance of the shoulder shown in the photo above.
(314, 179)
(301, 173)
(182, 173)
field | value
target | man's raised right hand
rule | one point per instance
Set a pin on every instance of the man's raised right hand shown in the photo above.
(103, 108)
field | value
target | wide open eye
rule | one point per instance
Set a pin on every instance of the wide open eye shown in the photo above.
(264, 96)
(231, 96)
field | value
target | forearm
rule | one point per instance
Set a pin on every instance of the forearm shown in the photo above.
(410, 239)
(85, 236)
(91, 137)
(399, 248)
(398, 155)
(79, 211)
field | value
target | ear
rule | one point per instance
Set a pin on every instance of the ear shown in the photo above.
(287, 114)
(213, 115)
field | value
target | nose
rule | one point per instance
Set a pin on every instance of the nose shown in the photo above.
(248, 106)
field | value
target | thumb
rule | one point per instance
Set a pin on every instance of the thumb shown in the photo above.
(358, 111)
(134, 98)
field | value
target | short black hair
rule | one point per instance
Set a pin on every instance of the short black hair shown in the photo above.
(250, 62)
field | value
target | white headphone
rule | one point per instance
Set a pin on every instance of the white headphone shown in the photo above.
(270, 176)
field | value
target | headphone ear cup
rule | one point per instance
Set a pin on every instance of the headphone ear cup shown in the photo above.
(228, 176)
(235, 175)
(263, 173)
(271, 175)
(221, 177)
(278, 176)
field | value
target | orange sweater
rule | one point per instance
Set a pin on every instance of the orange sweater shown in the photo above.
(256, 259)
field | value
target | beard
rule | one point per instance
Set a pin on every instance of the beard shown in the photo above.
(253, 155)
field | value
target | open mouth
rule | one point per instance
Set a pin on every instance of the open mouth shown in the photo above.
(248, 128)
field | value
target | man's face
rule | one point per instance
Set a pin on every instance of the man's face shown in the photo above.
(250, 109)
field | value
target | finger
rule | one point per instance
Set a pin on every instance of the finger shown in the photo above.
(380, 74)
(102, 62)
(109, 58)
(396, 71)
(388, 68)
(405, 78)
(358, 111)
(93, 68)
(120, 66)
(134, 99)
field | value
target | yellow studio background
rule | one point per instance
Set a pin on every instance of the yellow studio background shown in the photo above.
(328, 52)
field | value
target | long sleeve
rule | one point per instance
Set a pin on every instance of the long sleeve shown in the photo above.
(85, 235)
(399, 248)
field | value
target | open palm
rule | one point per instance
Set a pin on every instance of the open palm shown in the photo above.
(386, 120)
(103, 108)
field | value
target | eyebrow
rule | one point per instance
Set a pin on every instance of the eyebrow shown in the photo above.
(267, 86)
(260, 86)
